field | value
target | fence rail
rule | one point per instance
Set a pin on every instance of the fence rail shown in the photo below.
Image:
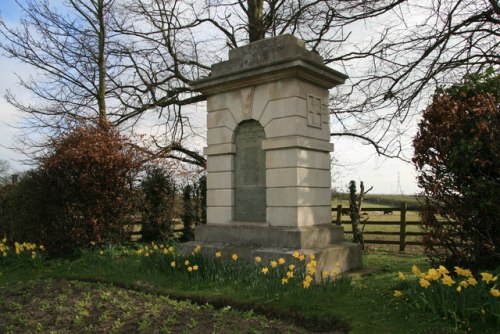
(402, 224)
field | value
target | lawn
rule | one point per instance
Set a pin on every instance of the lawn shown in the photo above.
(120, 289)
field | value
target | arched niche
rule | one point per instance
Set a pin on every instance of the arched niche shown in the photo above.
(249, 173)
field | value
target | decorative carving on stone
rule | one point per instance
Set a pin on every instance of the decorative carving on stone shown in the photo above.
(246, 101)
(314, 111)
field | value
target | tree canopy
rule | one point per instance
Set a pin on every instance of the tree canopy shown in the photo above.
(128, 60)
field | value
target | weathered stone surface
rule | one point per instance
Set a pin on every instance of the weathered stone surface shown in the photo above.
(250, 173)
(268, 163)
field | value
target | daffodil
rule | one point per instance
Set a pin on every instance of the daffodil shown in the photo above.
(487, 277)
(312, 257)
(397, 293)
(463, 284)
(447, 280)
(495, 292)
(218, 254)
(258, 259)
(289, 274)
(284, 281)
(281, 261)
(170, 249)
(459, 288)
(325, 274)
(264, 270)
(415, 270)
(172, 264)
(442, 270)
(401, 276)
(273, 264)
(186, 263)
(190, 269)
(463, 272)
(234, 257)
(302, 257)
(433, 275)
(306, 284)
(424, 283)
(296, 255)
(472, 281)
(4, 240)
(308, 278)
(195, 267)
(291, 267)
(197, 248)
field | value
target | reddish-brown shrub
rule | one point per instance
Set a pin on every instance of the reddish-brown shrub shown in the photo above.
(457, 155)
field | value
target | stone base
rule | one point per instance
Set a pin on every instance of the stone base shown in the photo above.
(338, 257)
(261, 235)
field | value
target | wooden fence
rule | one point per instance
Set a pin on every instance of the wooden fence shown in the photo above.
(401, 231)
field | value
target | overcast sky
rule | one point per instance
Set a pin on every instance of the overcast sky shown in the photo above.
(359, 162)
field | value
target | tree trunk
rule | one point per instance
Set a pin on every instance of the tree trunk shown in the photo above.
(255, 26)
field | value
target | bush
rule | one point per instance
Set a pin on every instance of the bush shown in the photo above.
(457, 155)
(158, 205)
(81, 193)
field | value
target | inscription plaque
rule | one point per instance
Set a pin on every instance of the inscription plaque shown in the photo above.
(250, 173)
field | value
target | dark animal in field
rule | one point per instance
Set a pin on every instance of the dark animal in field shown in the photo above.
(388, 212)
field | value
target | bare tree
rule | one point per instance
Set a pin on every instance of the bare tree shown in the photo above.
(4, 170)
(395, 52)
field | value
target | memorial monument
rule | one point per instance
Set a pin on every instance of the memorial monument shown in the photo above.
(268, 163)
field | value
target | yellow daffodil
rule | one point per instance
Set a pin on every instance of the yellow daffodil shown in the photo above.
(415, 270)
(172, 264)
(284, 281)
(165, 251)
(273, 264)
(433, 275)
(447, 280)
(306, 284)
(197, 249)
(4, 254)
(487, 277)
(195, 267)
(397, 293)
(170, 249)
(301, 257)
(463, 284)
(442, 270)
(296, 255)
(325, 274)
(186, 263)
(459, 288)
(264, 270)
(312, 257)
(472, 281)
(291, 267)
(281, 261)
(401, 276)
(258, 259)
(101, 253)
(463, 272)
(289, 274)
(424, 283)
(308, 278)
(234, 257)
(190, 269)
(4, 240)
(495, 292)
(218, 254)
(146, 255)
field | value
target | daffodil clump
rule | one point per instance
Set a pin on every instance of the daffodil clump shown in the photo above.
(275, 276)
(456, 294)
(19, 253)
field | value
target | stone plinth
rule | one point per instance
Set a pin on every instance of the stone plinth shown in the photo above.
(268, 163)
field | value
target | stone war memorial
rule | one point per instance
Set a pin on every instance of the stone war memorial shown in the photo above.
(268, 157)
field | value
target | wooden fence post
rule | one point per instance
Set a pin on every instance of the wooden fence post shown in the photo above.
(339, 214)
(402, 231)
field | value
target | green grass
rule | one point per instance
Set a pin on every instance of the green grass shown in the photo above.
(363, 300)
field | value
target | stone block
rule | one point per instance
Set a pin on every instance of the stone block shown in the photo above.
(220, 197)
(298, 196)
(299, 216)
(283, 108)
(221, 118)
(220, 180)
(297, 157)
(220, 163)
(219, 215)
(297, 176)
(220, 135)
